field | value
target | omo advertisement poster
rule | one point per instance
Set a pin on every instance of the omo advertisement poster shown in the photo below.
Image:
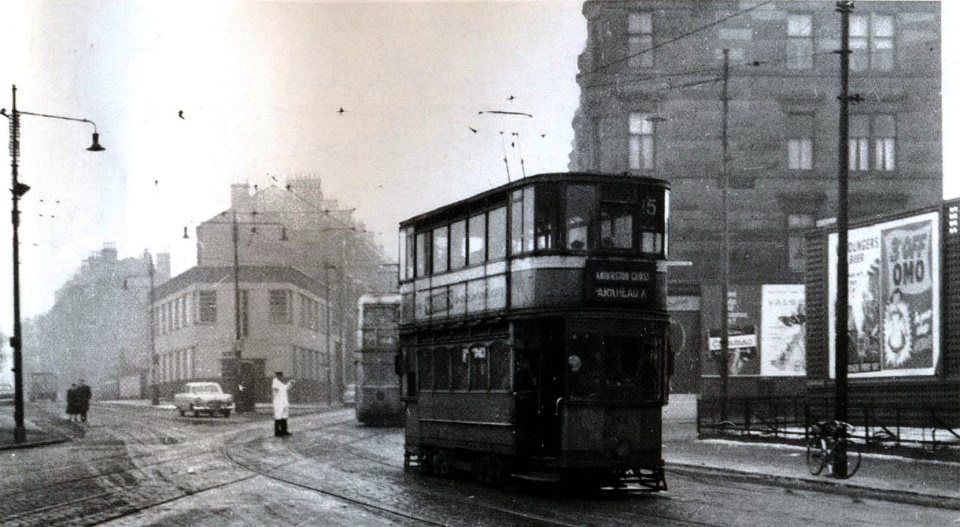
(783, 331)
(894, 300)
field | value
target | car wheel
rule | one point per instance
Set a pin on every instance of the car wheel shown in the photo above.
(182, 412)
(226, 413)
(196, 413)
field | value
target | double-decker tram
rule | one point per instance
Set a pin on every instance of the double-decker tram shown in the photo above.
(378, 386)
(534, 332)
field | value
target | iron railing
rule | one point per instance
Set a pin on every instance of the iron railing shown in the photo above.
(789, 419)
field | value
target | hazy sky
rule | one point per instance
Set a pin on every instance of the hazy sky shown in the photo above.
(260, 84)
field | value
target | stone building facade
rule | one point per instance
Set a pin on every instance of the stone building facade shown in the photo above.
(652, 82)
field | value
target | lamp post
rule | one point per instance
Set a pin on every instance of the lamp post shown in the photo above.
(17, 191)
(326, 293)
(843, 268)
(725, 250)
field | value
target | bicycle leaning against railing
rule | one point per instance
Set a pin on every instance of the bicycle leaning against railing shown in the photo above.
(825, 438)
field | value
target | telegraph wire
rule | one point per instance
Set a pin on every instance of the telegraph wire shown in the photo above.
(677, 38)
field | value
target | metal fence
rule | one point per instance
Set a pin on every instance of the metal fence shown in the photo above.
(789, 419)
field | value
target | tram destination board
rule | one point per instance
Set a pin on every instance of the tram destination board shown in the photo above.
(625, 284)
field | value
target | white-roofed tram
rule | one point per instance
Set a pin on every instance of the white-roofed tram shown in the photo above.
(534, 332)
(378, 386)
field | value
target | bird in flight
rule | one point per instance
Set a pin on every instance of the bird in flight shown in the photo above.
(511, 98)
(181, 114)
(472, 129)
(340, 111)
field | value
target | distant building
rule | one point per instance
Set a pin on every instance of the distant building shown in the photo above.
(286, 323)
(98, 328)
(296, 228)
(651, 79)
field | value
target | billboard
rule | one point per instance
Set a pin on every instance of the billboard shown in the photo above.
(783, 331)
(743, 310)
(894, 298)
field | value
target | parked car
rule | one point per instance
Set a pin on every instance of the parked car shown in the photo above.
(204, 397)
(6, 393)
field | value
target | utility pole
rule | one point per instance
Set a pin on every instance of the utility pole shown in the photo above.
(725, 243)
(236, 283)
(19, 189)
(841, 308)
(154, 394)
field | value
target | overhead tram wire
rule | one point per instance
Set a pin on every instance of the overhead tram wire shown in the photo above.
(670, 75)
(677, 38)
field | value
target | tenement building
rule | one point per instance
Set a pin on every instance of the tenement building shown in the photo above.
(706, 92)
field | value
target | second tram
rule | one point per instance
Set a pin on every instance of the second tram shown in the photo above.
(378, 386)
(534, 332)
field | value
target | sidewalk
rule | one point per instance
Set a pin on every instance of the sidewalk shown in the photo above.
(39, 433)
(887, 477)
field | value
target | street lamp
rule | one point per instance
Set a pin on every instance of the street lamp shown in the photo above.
(17, 191)
(326, 293)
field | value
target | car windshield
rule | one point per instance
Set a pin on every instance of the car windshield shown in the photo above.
(205, 388)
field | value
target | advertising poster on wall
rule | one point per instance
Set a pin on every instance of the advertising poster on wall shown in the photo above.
(743, 306)
(894, 300)
(783, 331)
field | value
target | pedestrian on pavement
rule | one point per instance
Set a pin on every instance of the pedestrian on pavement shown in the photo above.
(281, 405)
(84, 395)
(73, 410)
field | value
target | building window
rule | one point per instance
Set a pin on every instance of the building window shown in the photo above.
(872, 142)
(281, 311)
(799, 41)
(208, 307)
(640, 40)
(871, 41)
(800, 142)
(641, 148)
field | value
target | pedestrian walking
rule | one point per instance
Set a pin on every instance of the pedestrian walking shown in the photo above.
(73, 410)
(281, 405)
(84, 394)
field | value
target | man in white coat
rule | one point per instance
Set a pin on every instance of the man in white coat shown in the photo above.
(281, 405)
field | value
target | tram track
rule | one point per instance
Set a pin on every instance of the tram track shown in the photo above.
(328, 459)
(428, 497)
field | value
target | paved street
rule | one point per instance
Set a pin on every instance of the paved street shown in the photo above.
(136, 465)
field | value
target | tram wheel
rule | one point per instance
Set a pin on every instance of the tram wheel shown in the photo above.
(490, 471)
(442, 464)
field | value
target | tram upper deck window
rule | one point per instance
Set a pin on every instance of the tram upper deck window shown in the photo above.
(476, 239)
(406, 253)
(616, 226)
(581, 202)
(458, 244)
(497, 234)
(423, 254)
(440, 238)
